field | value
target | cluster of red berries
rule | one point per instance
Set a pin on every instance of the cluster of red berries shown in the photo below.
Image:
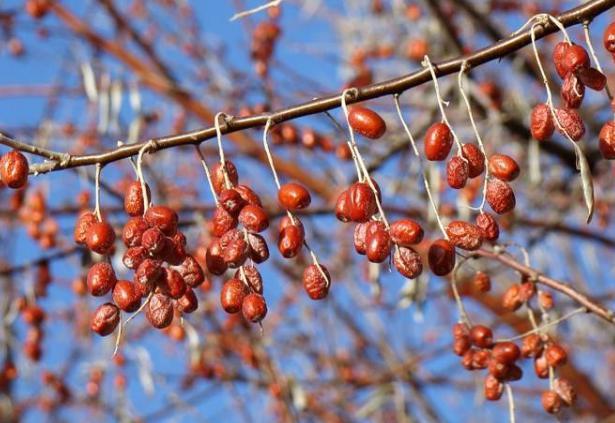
(478, 351)
(155, 250)
(39, 225)
(264, 37)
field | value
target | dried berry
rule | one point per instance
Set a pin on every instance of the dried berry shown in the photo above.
(559, 52)
(191, 272)
(254, 307)
(188, 302)
(159, 311)
(541, 122)
(134, 256)
(506, 352)
(378, 245)
(133, 199)
(573, 91)
(438, 142)
(500, 196)
(531, 346)
(571, 123)
(366, 122)
(406, 232)
(457, 171)
(464, 235)
(235, 253)
(100, 237)
(461, 346)
(556, 355)
(607, 140)
(85, 220)
(153, 240)
(407, 262)
(541, 367)
(222, 221)
(489, 226)
(164, 218)
(475, 158)
(259, 252)
(575, 58)
(294, 196)
(249, 196)
(290, 241)
(101, 279)
(254, 218)
(218, 178)
(253, 277)
(481, 336)
(133, 230)
(551, 402)
(14, 169)
(608, 39)
(214, 259)
(342, 207)
(232, 295)
(148, 274)
(315, 283)
(361, 202)
(126, 296)
(231, 201)
(503, 167)
(493, 388)
(105, 319)
(511, 300)
(441, 257)
(565, 390)
(172, 284)
(498, 369)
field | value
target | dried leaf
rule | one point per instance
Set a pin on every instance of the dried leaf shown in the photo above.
(586, 179)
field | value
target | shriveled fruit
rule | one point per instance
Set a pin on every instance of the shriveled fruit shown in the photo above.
(457, 172)
(172, 284)
(489, 226)
(438, 142)
(608, 38)
(222, 221)
(441, 257)
(342, 207)
(571, 123)
(254, 307)
(506, 352)
(481, 336)
(259, 251)
(218, 176)
(541, 122)
(188, 302)
(162, 217)
(232, 295)
(361, 202)
(366, 122)
(407, 262)
(14, 169)
(159, 311)
(481, 282)
(214, 259)
(126, 297)
(531, 346)
(133, 198)
(592, 78)
(464, 235)
(511, 300)
(133, 230)
(290, 241)
(551, 402)
(85, 220)
(105, 319)
(607, 140)
(493, 388)
(500, 196)
(573, 91)
(406, 232)
(294, 196)
(101, 279)
(231, 201)
(565, 390)
(556, 355)
(475, 158)
(254, 218)
(100, 237)
(378, 245)
(315, 283)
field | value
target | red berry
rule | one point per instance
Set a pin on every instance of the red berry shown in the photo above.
(378, 245)
(489, 226)
(14, 169)
(290, 241)
(126, 296)
(592, 78)
(217, 176)
(85, 220)
(457, 171)
(188, 302)
(254, 307)
(607, 140)
(133, 231)
(133, 199)
(506, 352)
(441, 257)
(500, 196)
(105, 319)
(551, 402)
(406, 232)
(159, 311)
(254, 218)
(571, 123)
(438, 142)
(481, 336)
(100, 237)
(573, 91)
(407, 262)
(232, 295)
(475, 158)
(366, 122)
(541, 122)
(503, 167)
(464, 235)
(294, 196)
(608, 38)
(315, 283)
(164, 218)
(361, 202)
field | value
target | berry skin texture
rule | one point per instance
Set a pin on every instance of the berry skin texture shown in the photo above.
(575, 58)
(188, 302)
(259, 252)
(85, 220)
(464, 235)
(608, 39)
(438, 142)
(294, 196)
(571, 123)
(457, 172)
(232, 294)
(133, 231)
(105, 319)
(500, 196)
(489, 226)
(607, 140)
(475, 158)
(172, 284)
(361, 202)
(573, 91)
(541, 122)
(254, 308)
(366, 122)
(159, 311)
(503, 167)
(14, 169)
(406, 232)
(164, 218)
(407, 262)
(481, 336)
(559, 52)
(126, 296)
(441, 257)
(222, 221)
(100, 237)
(101, 279)
(231, 201)
(254, 218)
(217, 176)
(314, 283)
(133, 199)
